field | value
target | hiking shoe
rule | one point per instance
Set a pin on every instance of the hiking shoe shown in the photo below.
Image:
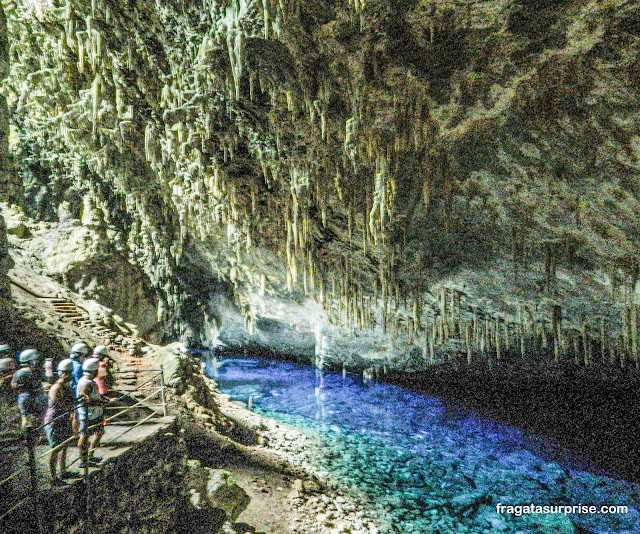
(89, 463)
(96, 459)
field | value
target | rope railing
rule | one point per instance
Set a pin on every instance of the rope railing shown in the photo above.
(28, 439)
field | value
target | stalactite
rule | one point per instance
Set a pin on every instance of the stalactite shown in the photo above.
(576, 348)
(497, 338)
(80, 54)
(633, 332)
(467, 340)
(586, 353)
(557, 332)
(603, 342)
(96, 90)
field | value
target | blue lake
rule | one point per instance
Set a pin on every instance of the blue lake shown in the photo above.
(424, 465)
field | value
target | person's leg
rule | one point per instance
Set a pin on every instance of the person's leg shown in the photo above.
(83, 430)
(23, 400)
(95, 440)
(82, 448)
(63, 458)
(49, 433)
(52, 465)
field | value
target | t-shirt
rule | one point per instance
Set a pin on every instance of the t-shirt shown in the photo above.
(93, 406)
(76, 373)
(65, 402)
(26, 381)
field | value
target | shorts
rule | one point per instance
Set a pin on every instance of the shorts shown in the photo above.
(58, 432)
(88, 427)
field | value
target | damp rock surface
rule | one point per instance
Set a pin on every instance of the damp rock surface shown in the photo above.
(272, 175)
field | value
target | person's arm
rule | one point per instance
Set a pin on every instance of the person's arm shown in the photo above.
(15, 381)
(81, 392)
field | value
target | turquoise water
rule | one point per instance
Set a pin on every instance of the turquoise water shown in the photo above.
(424, 465)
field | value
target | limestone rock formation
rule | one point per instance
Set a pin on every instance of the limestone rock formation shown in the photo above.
(4, 156)
(214, 496)
(336, 178)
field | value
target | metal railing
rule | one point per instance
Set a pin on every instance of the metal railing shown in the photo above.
(150, 388)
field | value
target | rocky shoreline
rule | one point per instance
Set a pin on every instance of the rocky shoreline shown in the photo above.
(315, 503)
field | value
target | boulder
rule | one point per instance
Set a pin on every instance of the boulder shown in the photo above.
(467, 501)
(224, 494)
(213, 494)
(18, 229)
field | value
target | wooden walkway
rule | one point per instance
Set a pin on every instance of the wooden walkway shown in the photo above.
(119, 437)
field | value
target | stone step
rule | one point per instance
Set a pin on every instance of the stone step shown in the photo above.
(66, 319)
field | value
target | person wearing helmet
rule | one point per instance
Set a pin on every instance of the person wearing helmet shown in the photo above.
(77, 354)
(11, 452)
(100, 352)
(7, 368)
(26, 382)
(90, 414)
(58, 420)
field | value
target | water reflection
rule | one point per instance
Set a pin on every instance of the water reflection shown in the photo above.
(413, 454)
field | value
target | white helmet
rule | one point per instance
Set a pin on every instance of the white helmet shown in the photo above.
(78, 348)
(100, 350)
(4, 348)
(90, 365)
(65, 366)
(7, 364)
(27, 356)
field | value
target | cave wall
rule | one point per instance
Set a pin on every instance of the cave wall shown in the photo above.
(353, 155)
(5, 176)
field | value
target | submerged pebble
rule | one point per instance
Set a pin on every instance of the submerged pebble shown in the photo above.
(363, 439)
